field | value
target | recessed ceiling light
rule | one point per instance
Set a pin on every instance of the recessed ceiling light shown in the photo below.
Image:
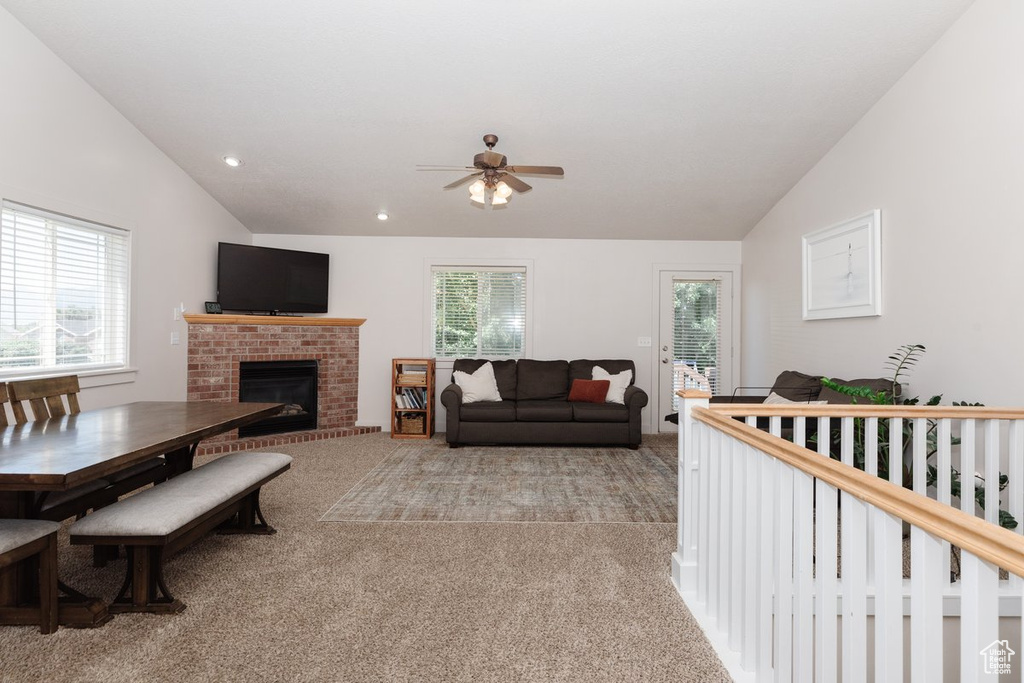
(382, 215)
(233, 162)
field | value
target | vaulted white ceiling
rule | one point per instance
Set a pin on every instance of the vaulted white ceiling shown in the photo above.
(673, 119)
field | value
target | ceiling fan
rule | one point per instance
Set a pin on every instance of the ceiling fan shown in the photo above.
(494, 182)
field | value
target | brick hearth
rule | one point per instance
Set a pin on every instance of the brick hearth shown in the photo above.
(218, 343)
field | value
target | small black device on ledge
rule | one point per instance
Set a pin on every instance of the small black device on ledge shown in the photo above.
(213, 307)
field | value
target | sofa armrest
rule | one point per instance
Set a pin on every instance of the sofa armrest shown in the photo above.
(635, 399)
(451, 399)
(732, 398)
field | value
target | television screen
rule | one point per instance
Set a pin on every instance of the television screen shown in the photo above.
(262, 279)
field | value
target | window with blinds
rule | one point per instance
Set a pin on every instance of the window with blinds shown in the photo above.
(695, 335)
(478, 312)
(63, 292)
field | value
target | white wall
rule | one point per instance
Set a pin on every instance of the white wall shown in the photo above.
(591, 298)
(64, 148)
(942, 155)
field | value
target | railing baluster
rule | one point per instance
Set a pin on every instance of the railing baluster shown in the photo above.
(715, 506)
(968, 466)
(707, 485)
(992, 471)
(725, 562)
(750, 531)
(871, 467)
(826, 592)
(803, 566)
(766, 578)
(979, 613)
(944, 479)
(783, 626)
(738, 557)
(825, 569)
(855, 623)
(926, 579)
(1015, 489)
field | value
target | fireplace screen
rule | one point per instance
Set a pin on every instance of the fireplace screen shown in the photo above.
(290, 382)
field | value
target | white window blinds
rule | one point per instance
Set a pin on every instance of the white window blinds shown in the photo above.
(63, 292)
(478, 311)
(696, 340)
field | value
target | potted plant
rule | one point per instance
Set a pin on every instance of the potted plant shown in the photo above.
(900, 363)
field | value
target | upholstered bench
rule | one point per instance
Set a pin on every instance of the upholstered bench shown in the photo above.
(159, 521)
(20, 539)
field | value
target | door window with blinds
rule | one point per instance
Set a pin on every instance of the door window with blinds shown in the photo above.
(696, 340)
(63, 293)
(478, 312)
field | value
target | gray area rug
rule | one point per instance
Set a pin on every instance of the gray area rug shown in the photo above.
(431, 483)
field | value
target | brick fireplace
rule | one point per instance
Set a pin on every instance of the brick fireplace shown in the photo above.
(218, 344)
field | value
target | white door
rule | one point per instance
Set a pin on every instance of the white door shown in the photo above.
(695, 330)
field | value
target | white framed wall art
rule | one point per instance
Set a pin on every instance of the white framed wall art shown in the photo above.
(842, 276)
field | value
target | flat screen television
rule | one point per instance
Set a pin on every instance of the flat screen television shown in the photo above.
(262, 279)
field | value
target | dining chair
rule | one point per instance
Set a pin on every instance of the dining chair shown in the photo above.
(3, 406)
(46, 397)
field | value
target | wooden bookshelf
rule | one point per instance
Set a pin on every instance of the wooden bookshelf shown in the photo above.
(412, 398)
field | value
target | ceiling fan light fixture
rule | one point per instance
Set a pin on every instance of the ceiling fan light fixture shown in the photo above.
(477, 187)
(498, 200)
(502, 190)
(477, 197)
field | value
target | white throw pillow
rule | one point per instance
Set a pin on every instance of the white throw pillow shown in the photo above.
(775, 399)
(618, 383)
(480, 386)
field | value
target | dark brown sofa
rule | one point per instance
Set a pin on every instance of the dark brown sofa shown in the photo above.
(534, 406)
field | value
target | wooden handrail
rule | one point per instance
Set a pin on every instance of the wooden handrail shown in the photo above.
(857, 410)
(992, 543)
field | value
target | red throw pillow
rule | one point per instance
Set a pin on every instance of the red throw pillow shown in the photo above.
(589, 390)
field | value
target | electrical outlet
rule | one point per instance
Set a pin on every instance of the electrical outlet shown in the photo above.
(175, 339)
(643, 341)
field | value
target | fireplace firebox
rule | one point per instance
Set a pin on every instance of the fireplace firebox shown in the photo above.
(290, 382)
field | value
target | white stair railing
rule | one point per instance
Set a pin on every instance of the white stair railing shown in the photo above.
(785, 554)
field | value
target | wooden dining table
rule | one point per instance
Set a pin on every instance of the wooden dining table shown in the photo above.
(61, 453)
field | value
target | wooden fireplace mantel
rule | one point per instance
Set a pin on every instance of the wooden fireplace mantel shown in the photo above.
(221, 319)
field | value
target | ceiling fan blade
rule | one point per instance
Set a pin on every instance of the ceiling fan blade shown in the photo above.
(461, 181)
(427, 167)
(515, 183)
(494, 159)
(536, 170)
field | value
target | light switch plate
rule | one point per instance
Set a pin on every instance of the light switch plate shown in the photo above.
(643, 341)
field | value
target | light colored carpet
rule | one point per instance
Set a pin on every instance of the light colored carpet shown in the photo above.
(352, 601)
(431, 483)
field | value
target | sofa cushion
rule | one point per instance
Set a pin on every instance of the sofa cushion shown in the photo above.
(504, 373)
(618, 383)
(488, 411)
(541, 380)
(478, 386)
(796, 386)
(543, 411)
(584, 369)
(599, 412)
(832, 396)
(589, 390)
